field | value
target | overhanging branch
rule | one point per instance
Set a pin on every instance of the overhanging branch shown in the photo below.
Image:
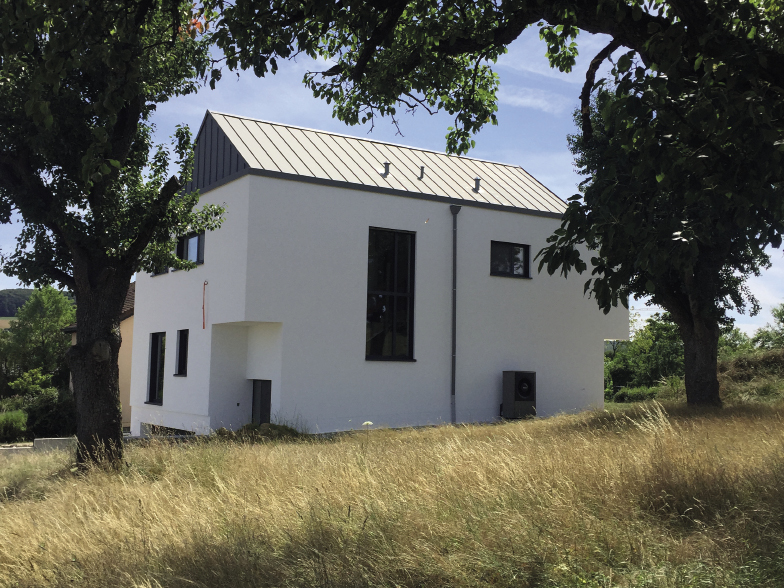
(590, 79)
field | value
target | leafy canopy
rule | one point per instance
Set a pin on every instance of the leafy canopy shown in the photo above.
(78, 84)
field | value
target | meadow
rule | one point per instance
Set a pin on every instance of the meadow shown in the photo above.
(642, 495)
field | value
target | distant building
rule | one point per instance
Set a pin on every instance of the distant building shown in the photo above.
(325, 299)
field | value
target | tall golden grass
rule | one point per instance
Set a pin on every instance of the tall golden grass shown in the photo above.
(636, 497)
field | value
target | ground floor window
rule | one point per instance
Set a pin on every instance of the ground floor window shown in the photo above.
(182, 353)
(390, 297)
(157, 357)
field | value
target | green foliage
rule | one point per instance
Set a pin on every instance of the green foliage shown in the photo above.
(734, 341)
(32, 384)
(13, 426)
(37, 339)
(655, 352)
(12, 299)
(49, 413)
(78, 85)
(771, 336)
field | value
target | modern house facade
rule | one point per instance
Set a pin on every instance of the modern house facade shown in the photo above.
(326, 298)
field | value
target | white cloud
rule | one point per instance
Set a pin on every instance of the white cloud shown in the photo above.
(527, 55)
(549, 102)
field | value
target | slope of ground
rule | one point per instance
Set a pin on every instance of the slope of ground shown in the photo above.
(633, 497)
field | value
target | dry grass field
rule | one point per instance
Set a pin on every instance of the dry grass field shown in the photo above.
(632, 497)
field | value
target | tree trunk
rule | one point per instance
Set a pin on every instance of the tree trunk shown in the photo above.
(700, 347)
(93, 362)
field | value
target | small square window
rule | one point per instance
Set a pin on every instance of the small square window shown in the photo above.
(509, 259)
(191, 248)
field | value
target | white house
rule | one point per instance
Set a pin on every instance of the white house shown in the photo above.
(326, 298)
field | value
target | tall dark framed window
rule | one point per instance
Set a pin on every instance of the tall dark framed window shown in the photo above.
(510, 259)
(191, 248)
(157, 360)
(390, 297)
(182, 353)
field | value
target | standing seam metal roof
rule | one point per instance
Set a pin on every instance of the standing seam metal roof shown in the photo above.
(320, 155)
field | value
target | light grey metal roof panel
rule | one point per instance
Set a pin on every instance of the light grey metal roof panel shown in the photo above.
(333, 157)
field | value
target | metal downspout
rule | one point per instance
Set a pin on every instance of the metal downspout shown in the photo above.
(454, 209)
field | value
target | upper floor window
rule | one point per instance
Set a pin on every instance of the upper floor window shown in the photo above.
(191, 248)
(390, 298)
(510, 259)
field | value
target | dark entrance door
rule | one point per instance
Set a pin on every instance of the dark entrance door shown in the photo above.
(262, 401)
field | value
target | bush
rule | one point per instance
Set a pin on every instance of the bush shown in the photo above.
(263, 432)
(51, 414)
(11, 403)
(635, 394)
(13, 426)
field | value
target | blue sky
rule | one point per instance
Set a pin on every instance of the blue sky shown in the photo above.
(535, 115)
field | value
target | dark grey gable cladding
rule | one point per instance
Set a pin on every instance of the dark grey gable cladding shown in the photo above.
(215, 157)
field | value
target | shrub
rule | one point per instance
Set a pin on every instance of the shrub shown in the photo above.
(11, 403)
(263, 432)
(635, 394)
(51, 414)
(13, 426)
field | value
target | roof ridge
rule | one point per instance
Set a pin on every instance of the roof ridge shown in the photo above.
(269, 122)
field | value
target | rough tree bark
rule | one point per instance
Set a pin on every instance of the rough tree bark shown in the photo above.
(692, 303)
(94, 362)
(700, 346)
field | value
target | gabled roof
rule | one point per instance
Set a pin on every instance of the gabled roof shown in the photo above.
(228, 147)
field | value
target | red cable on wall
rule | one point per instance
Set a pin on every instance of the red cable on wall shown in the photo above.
(203, 298)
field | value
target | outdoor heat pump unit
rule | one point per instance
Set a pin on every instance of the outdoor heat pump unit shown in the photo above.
(519, 395)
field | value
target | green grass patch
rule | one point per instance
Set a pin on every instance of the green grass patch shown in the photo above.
(13, 426)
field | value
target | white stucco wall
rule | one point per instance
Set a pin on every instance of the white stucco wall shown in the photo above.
(286, 301)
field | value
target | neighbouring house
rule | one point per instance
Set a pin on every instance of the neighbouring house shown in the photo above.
(326, 298)
(126, 347)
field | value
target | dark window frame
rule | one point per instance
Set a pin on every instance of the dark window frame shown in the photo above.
(409, 296)
(526, 275)
(156, 369)
(183, 251)
(181, 361)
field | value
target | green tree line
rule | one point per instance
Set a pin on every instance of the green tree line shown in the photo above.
(654, 356)
(35, 397)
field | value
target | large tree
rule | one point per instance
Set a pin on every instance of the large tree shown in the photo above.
(78, 83)
(698, 120)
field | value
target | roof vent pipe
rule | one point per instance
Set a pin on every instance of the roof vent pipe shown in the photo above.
(421, 172)
(386, 169)
(477, 180)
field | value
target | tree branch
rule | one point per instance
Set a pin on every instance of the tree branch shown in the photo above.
(150, 224)
(590, 78)
(381, 32)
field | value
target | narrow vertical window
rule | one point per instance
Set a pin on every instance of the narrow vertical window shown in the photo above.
(182, 353)
(390, 299)
(157, 357)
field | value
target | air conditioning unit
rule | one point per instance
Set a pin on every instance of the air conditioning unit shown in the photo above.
(519, 395)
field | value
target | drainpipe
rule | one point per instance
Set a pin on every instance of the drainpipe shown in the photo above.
(454, 209)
